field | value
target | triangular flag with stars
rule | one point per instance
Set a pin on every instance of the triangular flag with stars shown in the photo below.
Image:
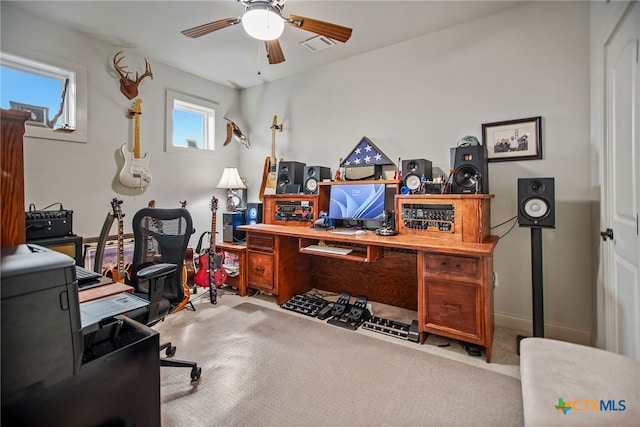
(364, 154)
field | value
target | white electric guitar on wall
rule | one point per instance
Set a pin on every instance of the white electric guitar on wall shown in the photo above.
(135, 172)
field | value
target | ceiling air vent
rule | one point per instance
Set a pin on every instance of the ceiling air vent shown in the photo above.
(318, 43)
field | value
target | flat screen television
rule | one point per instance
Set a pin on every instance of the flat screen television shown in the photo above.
(359, 202)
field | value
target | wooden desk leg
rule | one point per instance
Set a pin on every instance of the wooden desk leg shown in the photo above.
(242, 286)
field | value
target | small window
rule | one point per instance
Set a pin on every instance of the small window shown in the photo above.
(190, 123)
(50, 92)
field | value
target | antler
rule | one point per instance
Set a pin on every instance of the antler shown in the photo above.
(129, 87)
(147, 72)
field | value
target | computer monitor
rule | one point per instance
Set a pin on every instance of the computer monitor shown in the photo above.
(359, 202)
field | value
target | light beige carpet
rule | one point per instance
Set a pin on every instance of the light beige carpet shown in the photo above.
(265, 366)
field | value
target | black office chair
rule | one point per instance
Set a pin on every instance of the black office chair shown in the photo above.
(161, 238)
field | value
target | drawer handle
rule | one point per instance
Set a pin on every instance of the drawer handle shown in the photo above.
(455, 307)
(259, 269)
(446, 264)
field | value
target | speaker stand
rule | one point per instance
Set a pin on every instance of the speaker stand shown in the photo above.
(536, 278)
(536, 285)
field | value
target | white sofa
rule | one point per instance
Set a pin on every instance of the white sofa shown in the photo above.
(591, 387)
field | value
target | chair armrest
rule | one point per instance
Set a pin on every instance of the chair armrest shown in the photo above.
(156, 270)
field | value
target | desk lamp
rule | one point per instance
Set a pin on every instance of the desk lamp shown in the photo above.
(231, 181)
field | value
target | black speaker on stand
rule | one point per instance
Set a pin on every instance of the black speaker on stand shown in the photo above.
(536, 209)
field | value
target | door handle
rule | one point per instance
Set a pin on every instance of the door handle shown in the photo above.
(607, 234)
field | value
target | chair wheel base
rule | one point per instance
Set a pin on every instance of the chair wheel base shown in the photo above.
(195, 373)
(171, 351)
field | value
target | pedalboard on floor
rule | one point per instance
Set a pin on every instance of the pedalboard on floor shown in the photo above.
(393, 328)
(350, 316)
(309, 305)
(340, 313)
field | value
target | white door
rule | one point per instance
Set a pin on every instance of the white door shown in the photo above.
(622, 254)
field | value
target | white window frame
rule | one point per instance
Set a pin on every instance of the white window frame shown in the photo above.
(75, 113)
(192, 104)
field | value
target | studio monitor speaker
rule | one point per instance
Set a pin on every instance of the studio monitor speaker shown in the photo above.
(313, 175)
(237, 198)
(536, 202)
(471, 170)
(412, 172)
(254, 213)
(290, 174)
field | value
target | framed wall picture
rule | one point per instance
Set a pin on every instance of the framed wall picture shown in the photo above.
(513, 139)
(39, 115)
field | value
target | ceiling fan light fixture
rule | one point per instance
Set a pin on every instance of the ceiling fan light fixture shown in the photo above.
(263, 22)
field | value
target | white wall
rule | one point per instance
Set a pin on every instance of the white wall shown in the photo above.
(417, 98)
(84, 177)
(413, 100)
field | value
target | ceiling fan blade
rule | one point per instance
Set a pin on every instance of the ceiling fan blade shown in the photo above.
(333, 31)
(274, 51)
(203, 30)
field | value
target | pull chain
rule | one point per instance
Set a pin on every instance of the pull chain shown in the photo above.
(259, 55)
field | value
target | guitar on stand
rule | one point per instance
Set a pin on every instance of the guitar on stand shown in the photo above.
(189, 268)
(210, 273)
(119, 273)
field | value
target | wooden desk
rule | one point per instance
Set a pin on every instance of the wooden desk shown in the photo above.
(114, 288)
(239, 281)
(448, 282)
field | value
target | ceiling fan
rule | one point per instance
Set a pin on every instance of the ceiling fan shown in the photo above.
(263, 20)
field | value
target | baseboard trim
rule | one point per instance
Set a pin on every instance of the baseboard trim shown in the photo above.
(551, 330)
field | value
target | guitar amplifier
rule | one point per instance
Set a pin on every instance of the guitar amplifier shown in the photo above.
(45, 224)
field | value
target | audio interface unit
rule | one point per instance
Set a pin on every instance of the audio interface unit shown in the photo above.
(294, 210)
(429, 217)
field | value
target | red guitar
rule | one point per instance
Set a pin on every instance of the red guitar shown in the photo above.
(210, 273)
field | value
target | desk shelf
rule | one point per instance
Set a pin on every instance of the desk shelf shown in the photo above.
(360, 253)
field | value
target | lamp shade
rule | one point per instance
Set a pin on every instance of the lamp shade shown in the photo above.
(263, 22)
(230, 179)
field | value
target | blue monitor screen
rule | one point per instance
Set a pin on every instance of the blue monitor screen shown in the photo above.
(357, 201)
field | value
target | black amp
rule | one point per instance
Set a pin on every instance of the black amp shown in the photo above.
(294, 210)
(44, 224)
(429, 217)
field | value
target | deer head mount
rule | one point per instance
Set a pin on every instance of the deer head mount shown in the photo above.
(128, 86)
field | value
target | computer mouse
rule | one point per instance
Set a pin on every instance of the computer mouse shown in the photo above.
(360, 232)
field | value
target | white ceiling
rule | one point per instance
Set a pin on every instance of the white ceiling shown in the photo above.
(232, 58)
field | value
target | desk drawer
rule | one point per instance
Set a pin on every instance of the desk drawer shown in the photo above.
(453, 306)
(452, 264)
(260, 242)
(260, 271)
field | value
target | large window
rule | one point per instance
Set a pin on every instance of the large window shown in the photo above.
(190, 123)
(55, 94)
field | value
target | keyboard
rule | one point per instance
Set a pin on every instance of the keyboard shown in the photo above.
(345, 232)
(86, 277)
(328, 249)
